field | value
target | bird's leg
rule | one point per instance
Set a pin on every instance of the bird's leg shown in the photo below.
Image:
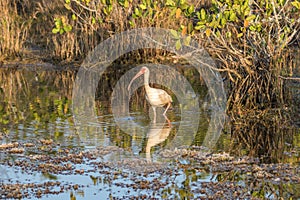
(164, 114)
(154, 114)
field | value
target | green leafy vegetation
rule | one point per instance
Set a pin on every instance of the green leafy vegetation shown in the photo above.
(61, 26)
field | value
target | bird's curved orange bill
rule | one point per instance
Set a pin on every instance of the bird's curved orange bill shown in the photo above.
(136, 76)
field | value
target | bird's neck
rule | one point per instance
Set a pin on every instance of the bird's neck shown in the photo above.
(146, 80)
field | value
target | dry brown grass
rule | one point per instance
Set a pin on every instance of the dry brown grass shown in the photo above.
(13, 27)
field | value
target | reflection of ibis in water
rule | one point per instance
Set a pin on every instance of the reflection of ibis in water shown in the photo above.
(156, 135)
(156, 97)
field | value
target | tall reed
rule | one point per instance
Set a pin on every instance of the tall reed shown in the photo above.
(13, 27)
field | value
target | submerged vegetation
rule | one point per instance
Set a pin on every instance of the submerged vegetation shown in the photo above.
(255, 43)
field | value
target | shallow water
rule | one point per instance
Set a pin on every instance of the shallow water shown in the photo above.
(36, 113)
(93, 185)
(38, 104)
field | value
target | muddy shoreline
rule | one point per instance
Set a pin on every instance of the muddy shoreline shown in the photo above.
(237, 178)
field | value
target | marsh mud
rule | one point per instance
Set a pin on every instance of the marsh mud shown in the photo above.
(46, 169)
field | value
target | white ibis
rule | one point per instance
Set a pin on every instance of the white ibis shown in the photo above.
(156, 97)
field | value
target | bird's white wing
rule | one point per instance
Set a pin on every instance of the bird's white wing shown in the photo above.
(158, 97)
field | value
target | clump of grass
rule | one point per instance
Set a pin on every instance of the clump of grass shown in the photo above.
(13, 27)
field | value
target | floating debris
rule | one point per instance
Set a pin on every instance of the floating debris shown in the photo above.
(16, 150)
(177, 173)
(9, 145)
